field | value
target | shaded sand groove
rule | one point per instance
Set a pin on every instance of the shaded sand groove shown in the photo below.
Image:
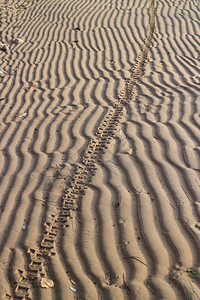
(100, 189)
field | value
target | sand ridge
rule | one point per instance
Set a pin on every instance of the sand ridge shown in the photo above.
(100, 149)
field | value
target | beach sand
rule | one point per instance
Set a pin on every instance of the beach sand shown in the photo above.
(99, 149)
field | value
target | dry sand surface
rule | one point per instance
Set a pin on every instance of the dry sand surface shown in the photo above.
(99, 149)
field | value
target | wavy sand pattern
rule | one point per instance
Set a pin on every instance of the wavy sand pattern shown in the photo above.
(100, 145)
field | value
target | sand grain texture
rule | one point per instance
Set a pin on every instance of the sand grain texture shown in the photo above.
(99, 149)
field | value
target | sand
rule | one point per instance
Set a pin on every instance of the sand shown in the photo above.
(99, 149)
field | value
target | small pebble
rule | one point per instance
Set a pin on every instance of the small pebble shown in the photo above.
(73, 289)
(24, 227)
(4, 47)
(108, 280)
(18, 40)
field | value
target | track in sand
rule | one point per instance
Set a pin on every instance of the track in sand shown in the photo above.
(99, 137)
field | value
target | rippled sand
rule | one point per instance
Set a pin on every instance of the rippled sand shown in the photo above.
(99, 149)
